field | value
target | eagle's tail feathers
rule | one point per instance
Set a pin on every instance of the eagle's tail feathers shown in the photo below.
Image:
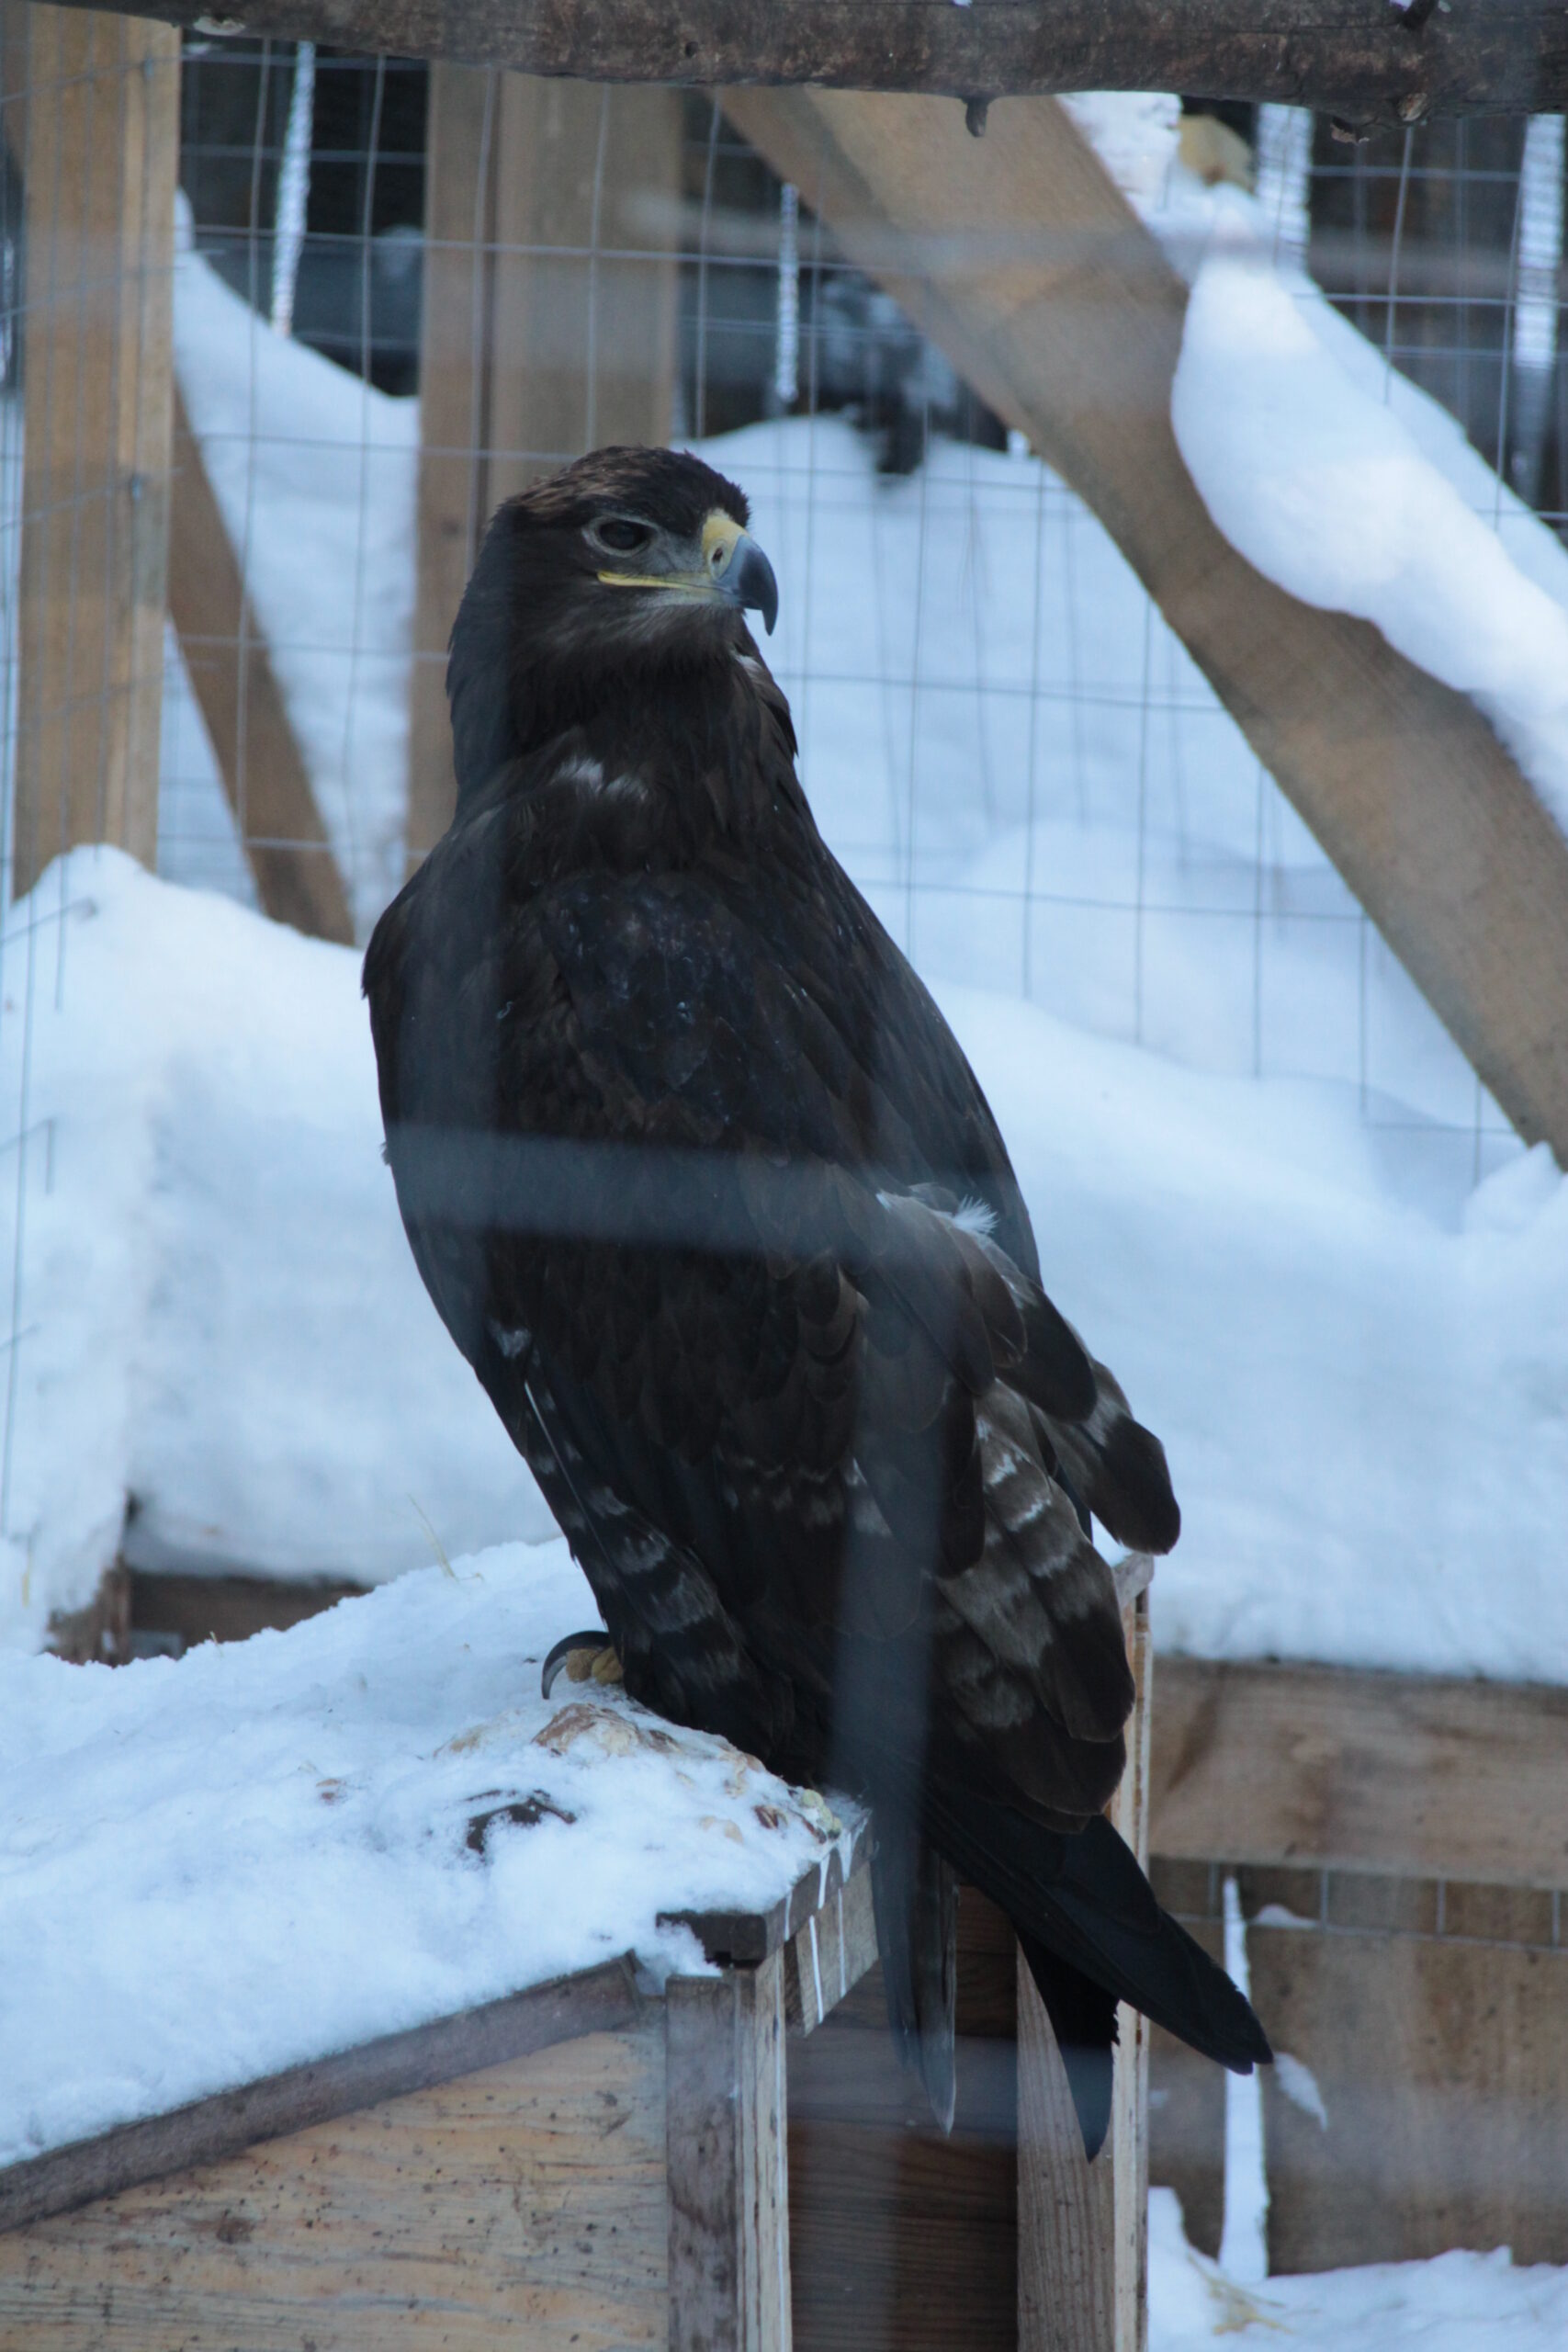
(1084, 1897)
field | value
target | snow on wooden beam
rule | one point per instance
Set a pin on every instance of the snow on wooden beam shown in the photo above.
(1020, 259)
(1368, 61)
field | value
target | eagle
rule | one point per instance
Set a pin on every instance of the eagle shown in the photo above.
(705, 1190)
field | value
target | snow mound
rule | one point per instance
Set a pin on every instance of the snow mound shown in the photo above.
(292, 1859)
(225, 1353)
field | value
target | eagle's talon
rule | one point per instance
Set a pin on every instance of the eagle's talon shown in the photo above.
(585, 1657)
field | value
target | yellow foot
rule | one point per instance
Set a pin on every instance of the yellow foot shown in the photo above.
(583, 1657)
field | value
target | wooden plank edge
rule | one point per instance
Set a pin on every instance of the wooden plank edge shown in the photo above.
(1359, 60)
(598, 2000)
(825, 1960)
(745, 1938)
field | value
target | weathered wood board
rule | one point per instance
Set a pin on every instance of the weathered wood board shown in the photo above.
(1442, 2064)
(1433, 2015)
(1354, 58)
(728, 2162)
(1419, 1776)
(523, 2205)
(901, 2240)
(100, 133)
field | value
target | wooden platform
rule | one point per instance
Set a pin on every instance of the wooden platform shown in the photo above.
(588, 2164)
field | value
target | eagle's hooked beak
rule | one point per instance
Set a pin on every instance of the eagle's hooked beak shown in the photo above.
(736, 565)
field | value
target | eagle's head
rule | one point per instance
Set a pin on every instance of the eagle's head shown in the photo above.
(631, 560)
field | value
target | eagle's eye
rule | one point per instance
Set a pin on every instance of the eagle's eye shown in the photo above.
(621, 535)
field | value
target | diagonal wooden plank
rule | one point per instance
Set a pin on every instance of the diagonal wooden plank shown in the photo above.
(1019, 256)
(259, 760)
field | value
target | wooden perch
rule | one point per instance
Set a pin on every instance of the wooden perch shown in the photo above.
(1367, 61)
(265, 776)
(1018, 256)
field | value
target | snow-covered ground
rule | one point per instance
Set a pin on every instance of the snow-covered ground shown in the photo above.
(290, 1860)
(1460, 2303)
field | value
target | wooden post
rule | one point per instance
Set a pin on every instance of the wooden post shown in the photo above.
(1019, 256)
(548, 328)
(454, 414)
(1082, 2228)
(101, 150)
(727, 2161)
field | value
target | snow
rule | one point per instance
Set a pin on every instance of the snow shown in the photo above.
(1458, 2302)
(1244, 2242)
(289, 1860)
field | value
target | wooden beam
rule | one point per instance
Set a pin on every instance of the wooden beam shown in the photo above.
(1329, 1769)
(1359, 59)
(265, 778)
(454, 415)
(548, 328)
(1019, 256)
(102, 133)
(728, 2162)
(1083, 2228)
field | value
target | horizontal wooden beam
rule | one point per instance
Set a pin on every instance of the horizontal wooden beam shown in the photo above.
(1323, 1767)
(1367, 61)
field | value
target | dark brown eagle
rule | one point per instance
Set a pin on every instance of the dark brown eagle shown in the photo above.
(707, 1194)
